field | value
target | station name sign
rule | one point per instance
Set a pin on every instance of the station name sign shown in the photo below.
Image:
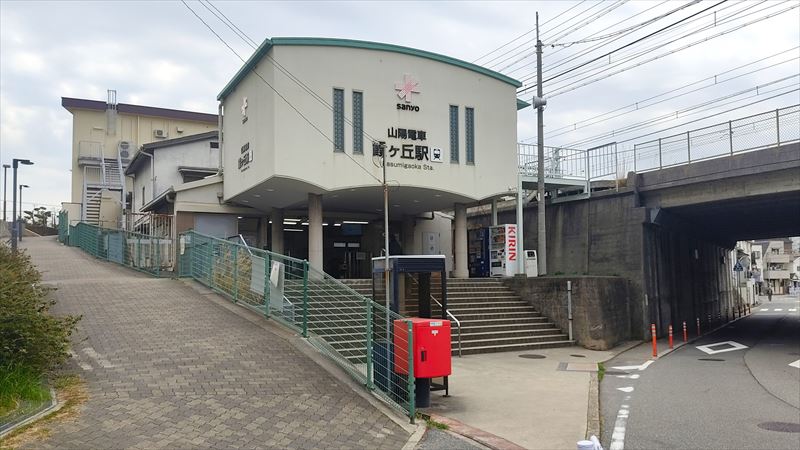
(245, 157)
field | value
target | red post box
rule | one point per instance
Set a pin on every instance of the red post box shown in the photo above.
(431, 341)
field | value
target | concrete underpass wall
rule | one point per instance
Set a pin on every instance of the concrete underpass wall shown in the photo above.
(601, 306)
(602, 236)
(687, 277)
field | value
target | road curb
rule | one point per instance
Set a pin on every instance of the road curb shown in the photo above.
(482, 437)
(593, 419)
(54, 406)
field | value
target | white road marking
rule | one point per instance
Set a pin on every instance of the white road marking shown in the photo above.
(778, 309)
(627, 389)
(618, 436)
(764, 309)
(795, 364)
(97, 357)
(82, 364)
(731, 347)
(792, 309)
(634, 376)
(639, 368)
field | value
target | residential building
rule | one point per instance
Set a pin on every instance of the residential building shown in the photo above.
(777, 263)
(105, 135)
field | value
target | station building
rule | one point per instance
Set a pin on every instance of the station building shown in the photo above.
(296, 172)
(298, 125)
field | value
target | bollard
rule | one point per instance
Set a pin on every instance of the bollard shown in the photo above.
(669, 330)
(685, 333)
(698, 326)
(709, 321)
(653, 332)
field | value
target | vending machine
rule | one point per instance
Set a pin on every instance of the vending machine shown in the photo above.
(478, 252)
(504, 255)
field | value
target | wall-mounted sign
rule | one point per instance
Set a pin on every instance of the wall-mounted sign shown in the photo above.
(405, 90)
(245, 157)
(244, 109)
(436, 155)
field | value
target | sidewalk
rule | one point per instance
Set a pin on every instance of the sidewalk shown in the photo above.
(534, 403)
(166, 368)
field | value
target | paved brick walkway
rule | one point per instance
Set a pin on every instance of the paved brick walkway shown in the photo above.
(167, 368)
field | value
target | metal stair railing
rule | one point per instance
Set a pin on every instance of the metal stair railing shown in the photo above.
(449, 314)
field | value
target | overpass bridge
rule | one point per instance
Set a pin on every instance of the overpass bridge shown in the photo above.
(665, 213)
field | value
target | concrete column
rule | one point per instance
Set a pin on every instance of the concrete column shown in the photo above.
(262, 234)
(409, 247)
(460, 241)
(276, 246)
(315, 231)
(494, 212)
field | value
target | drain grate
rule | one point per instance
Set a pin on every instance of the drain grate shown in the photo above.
(532, 356)
(578, 356)
(783, 427)
(710, 359)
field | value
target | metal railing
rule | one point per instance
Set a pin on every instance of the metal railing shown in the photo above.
(344, 325)
(612, 161)
(449, 314)
(151, 254)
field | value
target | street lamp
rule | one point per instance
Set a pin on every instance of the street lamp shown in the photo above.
(5, 188)
(21, 220)
(14, 229)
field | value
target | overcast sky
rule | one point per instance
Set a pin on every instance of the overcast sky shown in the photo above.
(159, 54)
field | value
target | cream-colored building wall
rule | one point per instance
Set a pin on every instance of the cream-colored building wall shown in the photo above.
(286, 145)
(90, 136)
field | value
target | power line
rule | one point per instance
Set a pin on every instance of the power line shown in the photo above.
(576, 84)
(475, 61)
(595, 16)
(640, 105)
(596, 32)
(498, 63)
(631, 43)
(694, 109)
(710, 116)
(659, 44)
(276, 91)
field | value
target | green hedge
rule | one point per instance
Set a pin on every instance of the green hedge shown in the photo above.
(31, 340)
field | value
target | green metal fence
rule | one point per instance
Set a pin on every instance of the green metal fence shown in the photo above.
(149, 254)
(347, 327)
(63, 227)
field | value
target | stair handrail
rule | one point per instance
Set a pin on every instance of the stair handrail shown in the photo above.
(449, 314)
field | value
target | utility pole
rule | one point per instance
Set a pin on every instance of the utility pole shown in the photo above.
(542, 236)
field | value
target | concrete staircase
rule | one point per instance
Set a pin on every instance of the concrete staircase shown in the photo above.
(493, 318)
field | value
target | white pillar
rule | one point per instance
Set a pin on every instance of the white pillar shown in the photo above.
(494, 212)
(276, 246)
(460, 238)
(315, 231)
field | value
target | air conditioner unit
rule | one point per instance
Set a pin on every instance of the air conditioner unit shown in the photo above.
(124, 149)
(159, 133)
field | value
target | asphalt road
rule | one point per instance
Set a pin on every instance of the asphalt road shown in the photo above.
(725, 397)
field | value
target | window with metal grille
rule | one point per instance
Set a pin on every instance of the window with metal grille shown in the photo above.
(469, 130)
(358, 122)
(338, 120)
(453, 133)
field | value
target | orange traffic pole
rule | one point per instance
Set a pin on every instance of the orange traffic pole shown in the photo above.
(653, 332)
(685, 333)
(670, 335)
